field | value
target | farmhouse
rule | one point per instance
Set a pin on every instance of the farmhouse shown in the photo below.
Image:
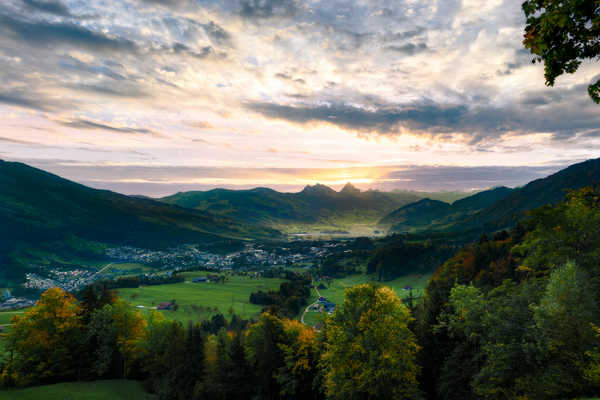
(167, 305)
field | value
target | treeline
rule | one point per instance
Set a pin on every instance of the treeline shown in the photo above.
(136, 281)
(289, 299)
(517, 316)
(101, 337)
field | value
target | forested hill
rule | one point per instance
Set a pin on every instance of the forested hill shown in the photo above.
(493, 209)
(318, 203)
(550, 190)
(36, 206)
(429, 214)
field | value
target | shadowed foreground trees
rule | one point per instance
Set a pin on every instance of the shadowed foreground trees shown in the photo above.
(61, 339)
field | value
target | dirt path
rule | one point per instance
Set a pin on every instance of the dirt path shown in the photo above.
(103, 268)
(310, 305)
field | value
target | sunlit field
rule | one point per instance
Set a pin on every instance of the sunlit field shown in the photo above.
(198, 301)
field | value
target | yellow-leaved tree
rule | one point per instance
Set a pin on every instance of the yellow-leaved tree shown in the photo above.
(370, 350)
(44, 342)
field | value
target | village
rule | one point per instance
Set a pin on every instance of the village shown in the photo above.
(253, 257)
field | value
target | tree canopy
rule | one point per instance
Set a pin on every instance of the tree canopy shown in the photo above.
(563, 34)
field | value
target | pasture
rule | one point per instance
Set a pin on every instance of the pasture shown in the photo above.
(97, 390)
(197, 301)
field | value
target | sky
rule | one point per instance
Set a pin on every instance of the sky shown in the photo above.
(158, 96)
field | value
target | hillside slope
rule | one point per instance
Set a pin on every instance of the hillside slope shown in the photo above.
(550, 190)
(34, 203)
(493, 209)
(427, 213)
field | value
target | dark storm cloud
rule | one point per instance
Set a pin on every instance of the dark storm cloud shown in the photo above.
(87, 124)
(49, 6)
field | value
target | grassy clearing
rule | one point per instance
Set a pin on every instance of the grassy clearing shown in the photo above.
(234, 293)
(97, 390)
(5, 316)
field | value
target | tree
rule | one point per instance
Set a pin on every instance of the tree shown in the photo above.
(265, 355)
(563, 34)
(564, 319)
(46, 340)
(161, 350)
(370, 351)
(298, 378)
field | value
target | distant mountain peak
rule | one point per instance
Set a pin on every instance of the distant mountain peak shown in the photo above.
(317, 189)
(349, 188)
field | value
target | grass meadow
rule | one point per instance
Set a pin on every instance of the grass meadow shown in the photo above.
(199, 301)
(96, 390)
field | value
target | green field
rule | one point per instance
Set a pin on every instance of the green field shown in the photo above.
(335, 292)
(234, 293)
(5, 316)
(97, 390)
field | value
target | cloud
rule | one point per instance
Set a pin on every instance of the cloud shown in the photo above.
(268, 8)
(73, 64)
(453, 178)
(32, 100)
(217, 34)
(112, 89)
(49, 6)
(88, 124)
(200, 124)
(15, 141)
(564, 113)
(44, 33)
(382, 119)
(409, 48)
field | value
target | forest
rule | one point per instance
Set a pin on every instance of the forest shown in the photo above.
(512, 316)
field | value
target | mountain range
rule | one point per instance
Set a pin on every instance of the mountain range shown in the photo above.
(315, 204)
